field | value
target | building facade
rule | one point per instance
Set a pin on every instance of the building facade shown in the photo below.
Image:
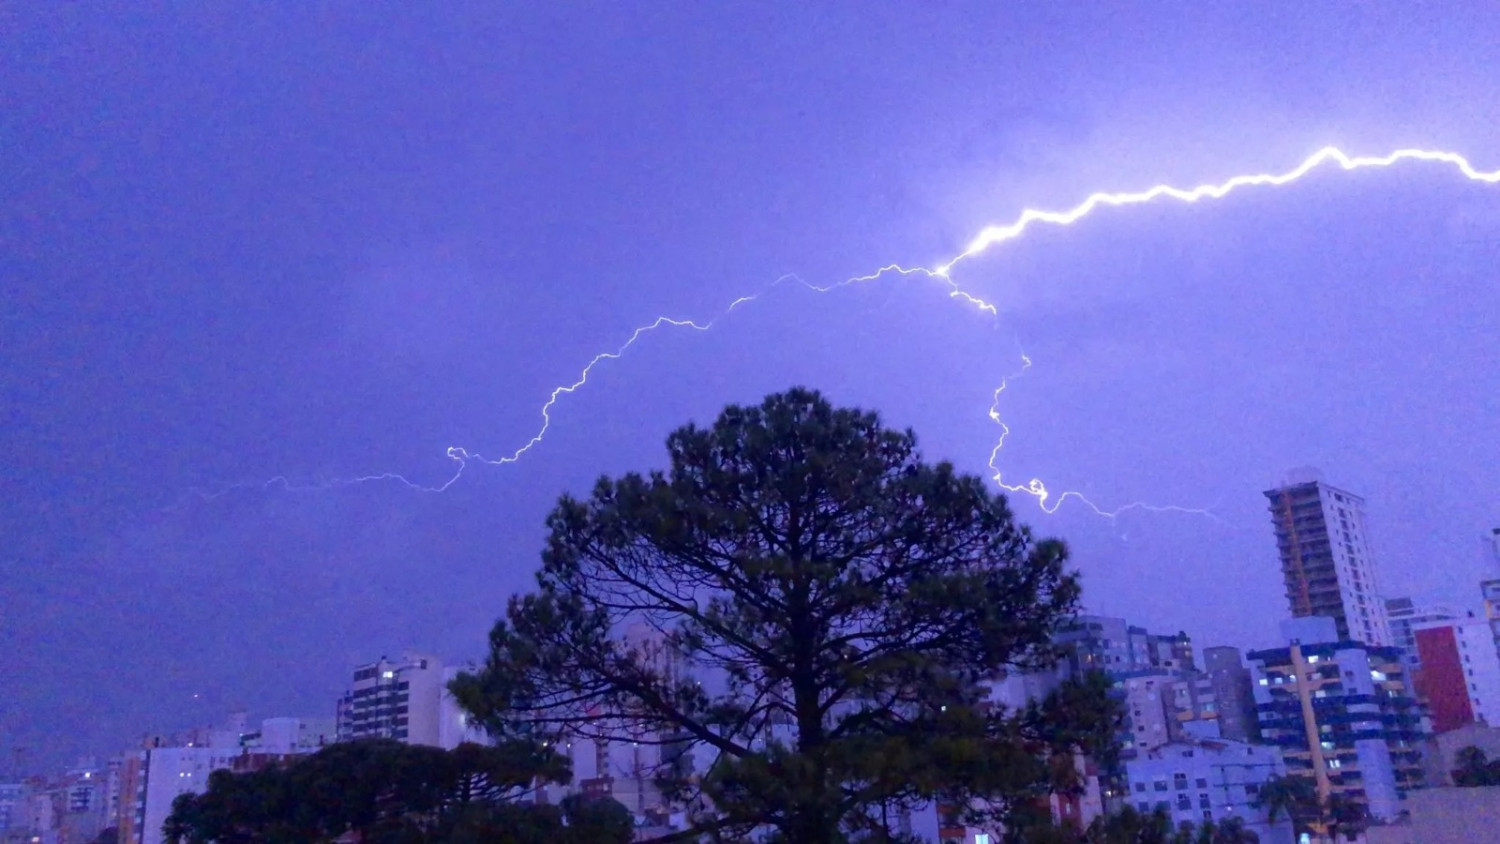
(141, 786)
(1212, 780)
(1147, 670)
(1489, 546)
(171, 771)
(395, 699)
(1460, 676)
(1326, 564)
(1116, 647)
(1404, 615)
(1342, 714)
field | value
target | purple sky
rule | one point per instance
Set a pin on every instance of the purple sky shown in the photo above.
(241, 243)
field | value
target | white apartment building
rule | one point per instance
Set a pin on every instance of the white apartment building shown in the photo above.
(150, 779)
(1323, 543)
(171, 771)
(398, 699)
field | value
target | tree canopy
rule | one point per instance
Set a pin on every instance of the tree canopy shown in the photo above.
(1475, 769)
(799, 617)
(1130, 826)
(1297, 798)
(393, 793)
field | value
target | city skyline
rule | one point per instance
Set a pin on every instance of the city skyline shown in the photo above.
(317, 245)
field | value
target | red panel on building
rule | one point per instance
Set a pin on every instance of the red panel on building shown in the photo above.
(1441, 680)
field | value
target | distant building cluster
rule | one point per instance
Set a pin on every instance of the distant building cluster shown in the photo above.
(1369, 698)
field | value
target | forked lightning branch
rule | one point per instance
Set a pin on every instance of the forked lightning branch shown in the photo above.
(943, 275)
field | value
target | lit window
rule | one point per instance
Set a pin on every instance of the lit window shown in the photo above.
(981, 838)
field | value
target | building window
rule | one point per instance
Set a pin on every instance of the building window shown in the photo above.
(1203, 801)
(1159, 785)
(1183, 802)
(1202, 783)
(1140, 786)
(1179, 781)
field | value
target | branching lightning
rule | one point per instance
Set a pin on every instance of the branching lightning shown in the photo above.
(989, 237)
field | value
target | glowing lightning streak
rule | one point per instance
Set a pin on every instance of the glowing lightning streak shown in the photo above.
(999, 234)
(1038, 490)
(462, 456)
(988, 237)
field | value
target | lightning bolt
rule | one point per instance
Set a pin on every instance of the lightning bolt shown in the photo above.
(987, 238)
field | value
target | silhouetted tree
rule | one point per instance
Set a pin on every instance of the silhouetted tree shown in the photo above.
(1129, 826)
(1295, 798)
(840, 603)
(1345, 816)
(390, 793)
(1475, 769)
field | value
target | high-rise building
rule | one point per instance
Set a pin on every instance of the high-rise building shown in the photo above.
(1325, 557)
(1403, 615)
(395, 699)
(1460, 677)
(1342, 714)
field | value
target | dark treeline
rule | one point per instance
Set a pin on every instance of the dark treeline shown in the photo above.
(386, 792)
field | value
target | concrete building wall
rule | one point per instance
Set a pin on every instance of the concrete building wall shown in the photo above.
(1150, 711)
(1445, 816)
